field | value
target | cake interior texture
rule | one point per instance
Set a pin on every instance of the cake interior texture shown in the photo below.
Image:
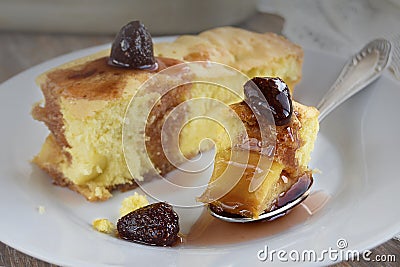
(85, 102)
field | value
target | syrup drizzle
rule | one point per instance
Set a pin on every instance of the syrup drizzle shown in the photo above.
(208, 230)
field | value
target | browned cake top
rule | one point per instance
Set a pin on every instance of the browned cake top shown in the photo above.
(96, 80)
(235, 47)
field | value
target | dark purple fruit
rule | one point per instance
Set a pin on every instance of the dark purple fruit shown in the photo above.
(156, 224)
(133, 47)
(277, 94)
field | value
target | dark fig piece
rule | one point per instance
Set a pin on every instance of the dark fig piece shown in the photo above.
(156, 225)
(277, 94)
(133, 48)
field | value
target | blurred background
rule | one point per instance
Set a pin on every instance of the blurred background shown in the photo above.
(106, 17)
(338, 26)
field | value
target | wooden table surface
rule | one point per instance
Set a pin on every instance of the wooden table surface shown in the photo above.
(19, 51)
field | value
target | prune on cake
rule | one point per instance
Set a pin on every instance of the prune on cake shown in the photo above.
(156, 224)
(277, 94)
(133, 47)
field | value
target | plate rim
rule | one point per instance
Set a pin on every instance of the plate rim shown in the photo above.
(367, 244)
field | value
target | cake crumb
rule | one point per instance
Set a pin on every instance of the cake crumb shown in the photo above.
(99, 169)
(41, 209)
(103, 226)
(132, 203)
(316, 171)
(98, 192)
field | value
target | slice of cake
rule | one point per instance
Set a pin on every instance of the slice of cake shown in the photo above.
(281, 166)
(85, 102)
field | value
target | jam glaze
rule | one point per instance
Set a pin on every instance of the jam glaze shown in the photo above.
(303, 183)
(239, 200)
(97, 80)
(296, 190)
(209, 231)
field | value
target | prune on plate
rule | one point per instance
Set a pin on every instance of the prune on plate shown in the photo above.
(277, 94)
(133, 47)
(156, 224)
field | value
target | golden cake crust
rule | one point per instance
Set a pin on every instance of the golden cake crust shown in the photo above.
(241, 49)
(232, 46)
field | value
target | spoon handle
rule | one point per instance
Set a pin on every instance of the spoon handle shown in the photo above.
(359, 71)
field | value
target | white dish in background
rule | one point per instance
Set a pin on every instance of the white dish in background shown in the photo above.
(357, 152)
(103, 16)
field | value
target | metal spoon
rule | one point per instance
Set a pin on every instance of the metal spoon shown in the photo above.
(359, 71)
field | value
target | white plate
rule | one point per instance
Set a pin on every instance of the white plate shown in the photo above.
(357, 152)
